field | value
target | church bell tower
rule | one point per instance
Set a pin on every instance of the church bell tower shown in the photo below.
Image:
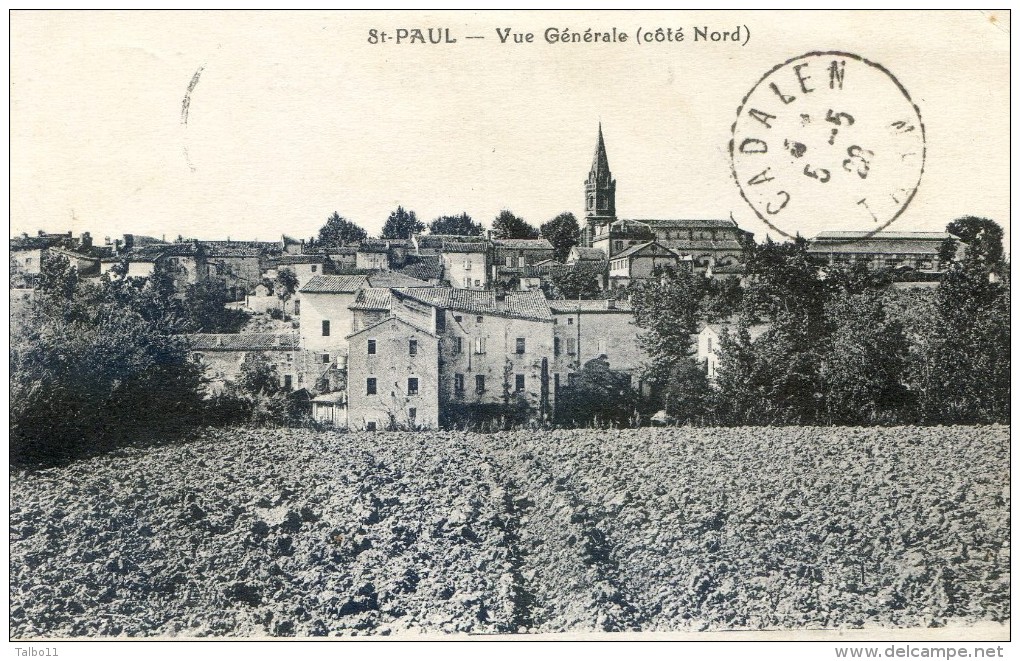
(599, 193)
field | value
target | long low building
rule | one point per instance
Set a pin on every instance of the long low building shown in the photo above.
(919, 251)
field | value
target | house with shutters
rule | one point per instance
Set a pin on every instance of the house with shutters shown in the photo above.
(393, 376)
(584, 330)
(221, 355)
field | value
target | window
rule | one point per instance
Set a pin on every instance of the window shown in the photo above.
(556, 321)
(371, 347)
(412, 348)
(556, 382)
(370, 425)
(602, 347)
(570, 321)
(288, 381)
(520, 345)
(479, 345)
(370, 386)
(478, 283)
(325, 358)
(519, 382)
(28, 261)
(467, 264)
(325, 327)
(297, 307)
(520, 261)
(509, 260)
(479, 383)
(710, 344)
(478, 319)
(571, 346)
(412, 386)
(412, 413)
(458, 318)
(556, 346)
(458, 383)
(467, 281)
(458, 345)
(440, 321)
(315, 267)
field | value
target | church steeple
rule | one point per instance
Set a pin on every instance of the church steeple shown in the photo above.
(599, 190)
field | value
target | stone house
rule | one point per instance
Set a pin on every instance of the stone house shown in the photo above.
(222, 354)
(466, 264)
(639, 262)
(373, 255)
(326, 318)
(393, 376)
(518, 253)
(492, 347)
(304, 267)
(584, 330)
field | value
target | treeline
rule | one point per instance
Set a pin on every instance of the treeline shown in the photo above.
(100, 363)
(837, 346)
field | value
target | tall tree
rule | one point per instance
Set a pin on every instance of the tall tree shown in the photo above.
(578, 282)
(562, 232)
(462, 225)
(286, 285)
(782, 280)
(864, 361)
(402, 224)
(667, 309)
(338, 232)
(508, 226)
(982, 236)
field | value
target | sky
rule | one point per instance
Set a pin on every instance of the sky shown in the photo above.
(292, 116)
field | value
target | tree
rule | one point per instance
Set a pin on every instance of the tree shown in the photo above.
(402, 224)
(461, 225)
(562, 232)
(667, 308)
(89, 373)
(508, 226)
(982, 236)
(863, 366)
(206, 302)
(286, 285)
(258, 375)
(782, 280)
(580, 281)
(773, 379)
(688, 396)
(598, 395)
(339, 232)
(960, 368)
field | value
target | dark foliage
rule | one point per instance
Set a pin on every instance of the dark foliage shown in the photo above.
(401, 225)
(338, 231)
(562, 232)
(508, 226)
(461, 225)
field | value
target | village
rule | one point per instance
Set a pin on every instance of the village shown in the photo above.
(385, 332)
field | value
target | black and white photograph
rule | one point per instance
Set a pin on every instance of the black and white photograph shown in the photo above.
(510, 326)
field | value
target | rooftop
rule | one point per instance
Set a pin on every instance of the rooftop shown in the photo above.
(573, 307)
(523, 244)
(882, 236)
(243, 341)
(688, 223)
(641, 246)
(520, 305)
(334, 284)
(372, 299)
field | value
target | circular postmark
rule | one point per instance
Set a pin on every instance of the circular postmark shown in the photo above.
(828, 141)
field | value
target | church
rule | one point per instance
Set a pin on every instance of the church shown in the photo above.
(714, 246)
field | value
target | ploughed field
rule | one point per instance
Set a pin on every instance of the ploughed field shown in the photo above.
(293, 532)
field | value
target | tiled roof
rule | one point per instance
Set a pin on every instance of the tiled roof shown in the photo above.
(568, 307)
(528, 305)
(340, 250)
(241, 248)
(394, 279)
(36, 242)
(880, 246)
(374, 246)
(243, 341)
(882, 236)
(589, 254)
(641, 246)
(523, 244)
(423, 267)
(372, 299)
(182, 249)
(299, 259)
(145, 253)
(461, 246)
(334, 284)
(691, 245)
(688, 223)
